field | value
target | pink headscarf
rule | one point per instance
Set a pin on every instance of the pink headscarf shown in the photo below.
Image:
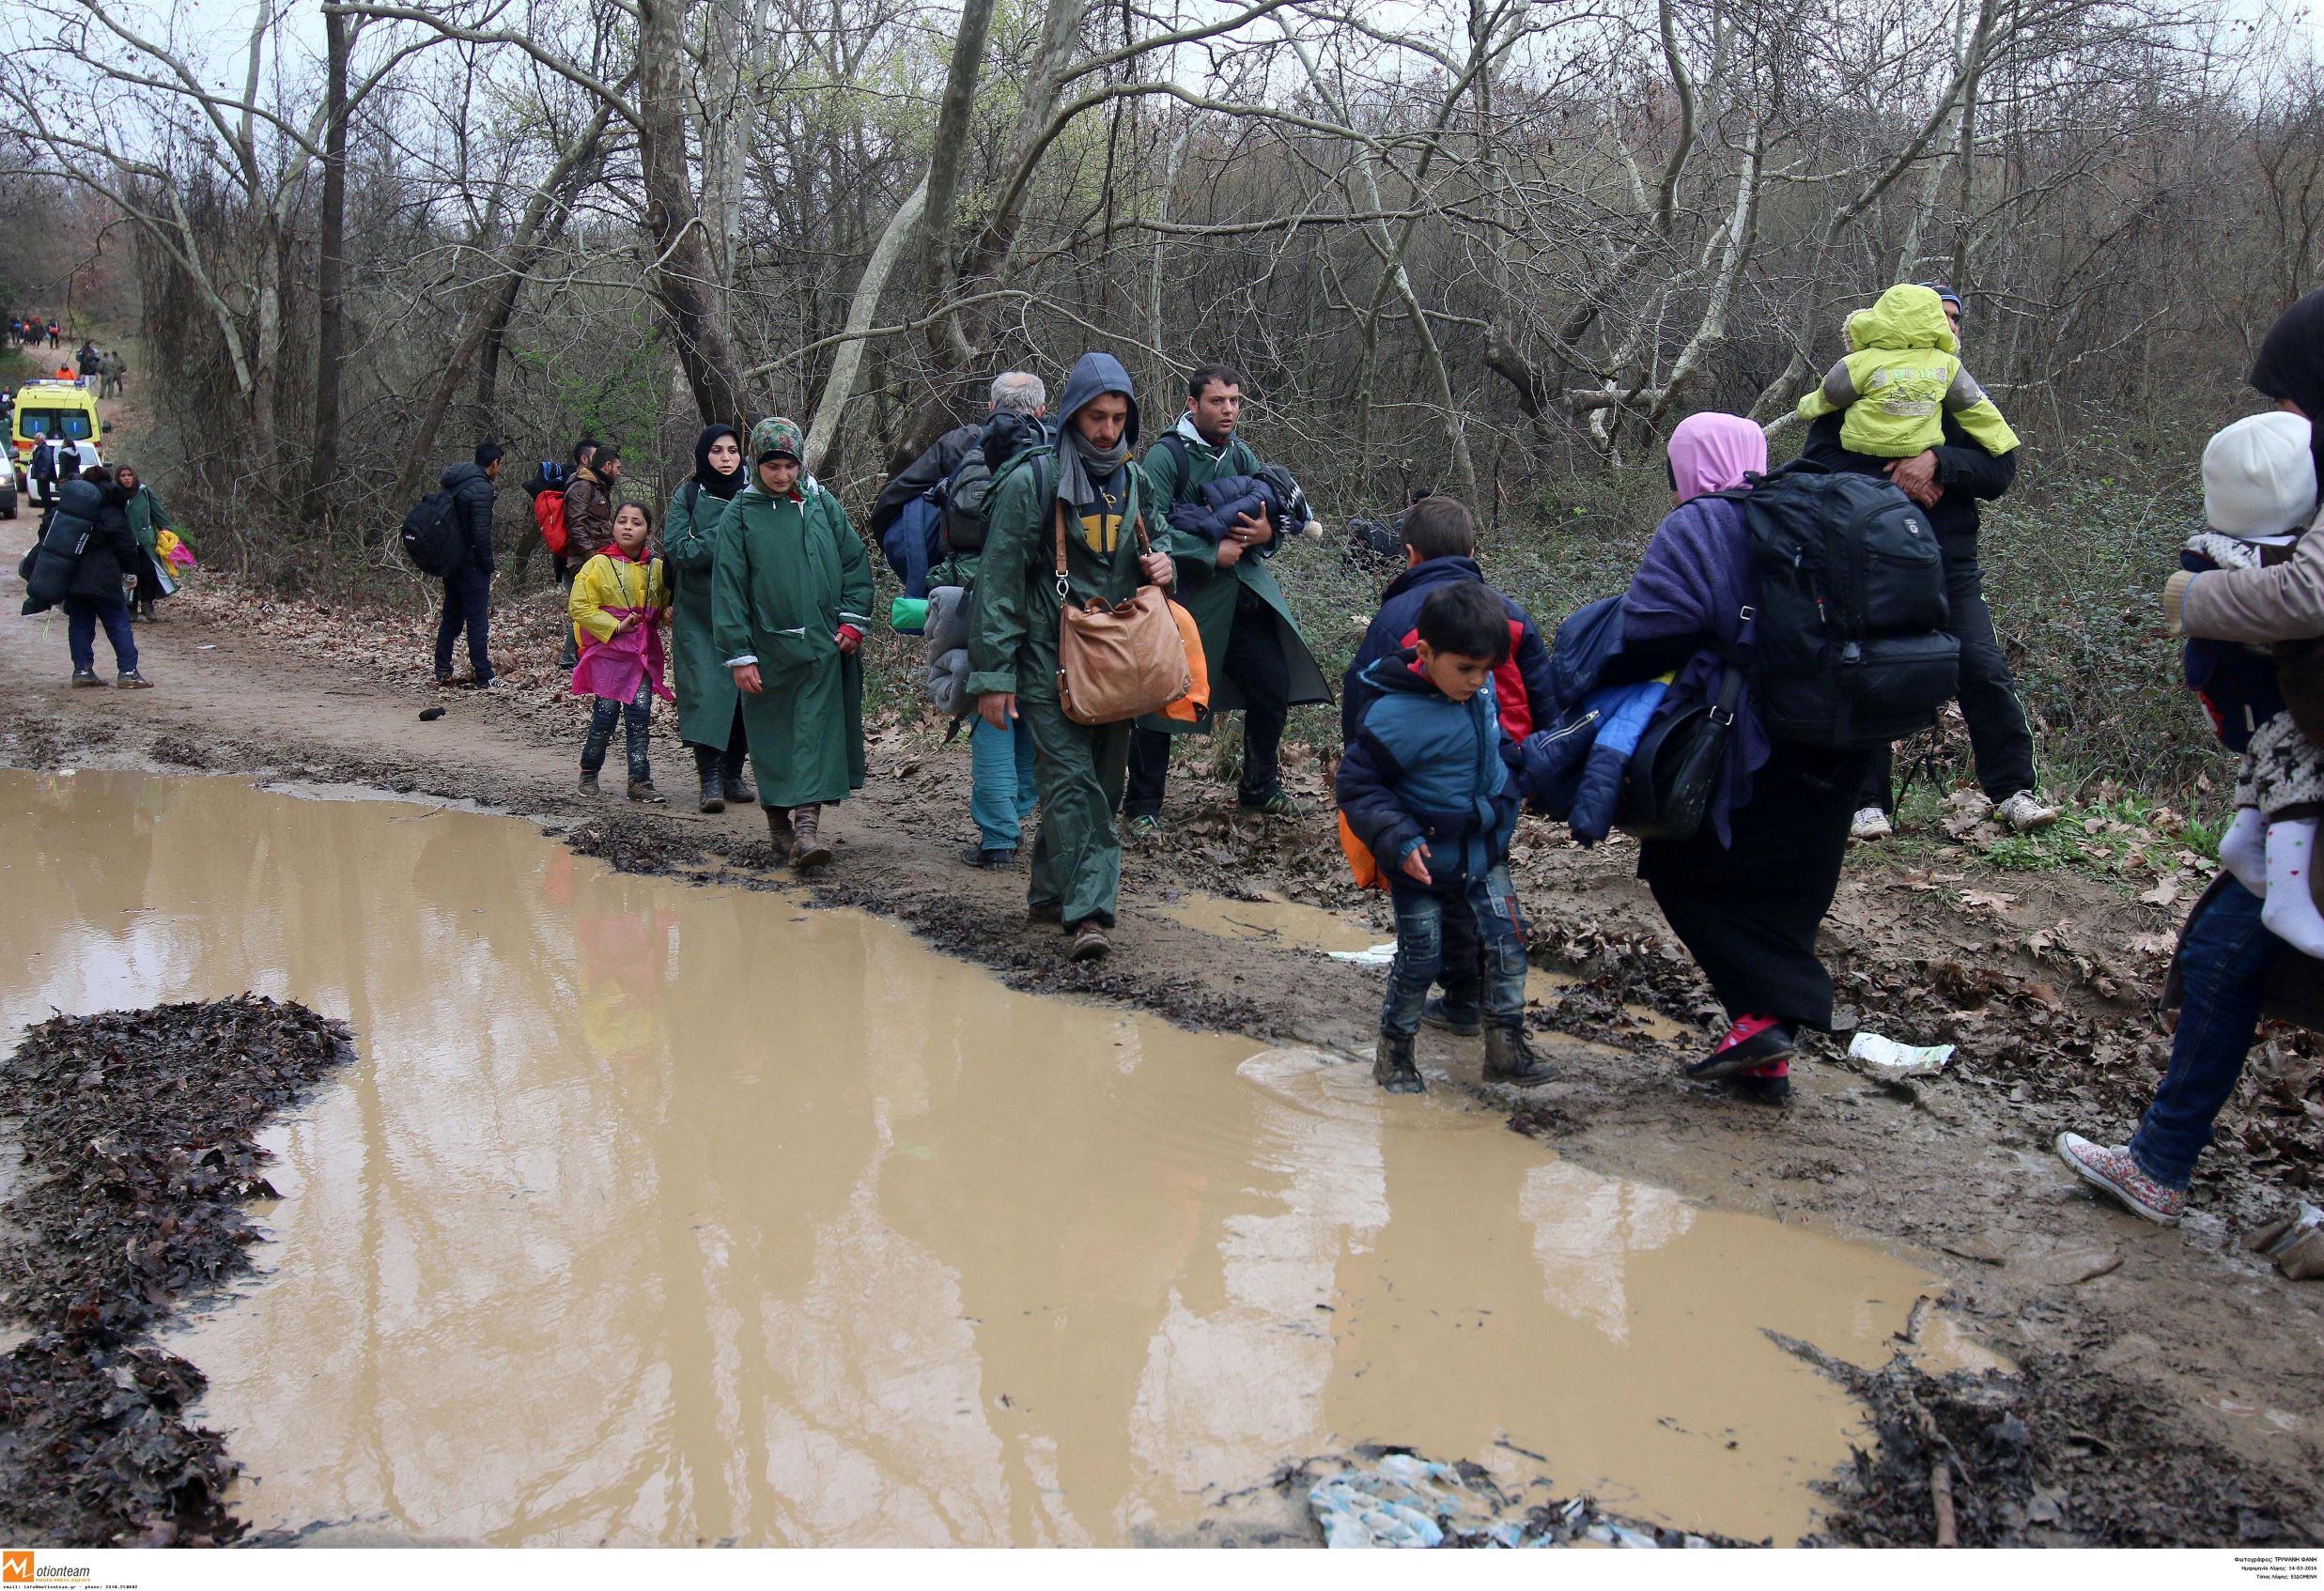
(1713, 451)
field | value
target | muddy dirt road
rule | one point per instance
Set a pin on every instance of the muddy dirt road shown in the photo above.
(2170, 1384)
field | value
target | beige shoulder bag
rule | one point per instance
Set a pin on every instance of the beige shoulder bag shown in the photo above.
(1121, 661)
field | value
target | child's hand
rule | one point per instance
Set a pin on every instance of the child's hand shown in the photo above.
(1415, 866)
(624, 625)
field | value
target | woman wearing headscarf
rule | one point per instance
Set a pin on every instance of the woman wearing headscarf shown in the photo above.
(147, 519)
(2230, 971)
(709, 706)
(1747, 894)
(790, 604)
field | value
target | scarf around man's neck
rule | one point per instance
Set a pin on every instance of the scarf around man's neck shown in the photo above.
(1081, 467)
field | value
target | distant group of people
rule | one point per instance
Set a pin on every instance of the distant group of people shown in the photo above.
(32, 329)
(98, 370)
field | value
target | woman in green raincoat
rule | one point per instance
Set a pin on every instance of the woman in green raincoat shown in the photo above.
(790, 603)
(709, 706)
(147, 519)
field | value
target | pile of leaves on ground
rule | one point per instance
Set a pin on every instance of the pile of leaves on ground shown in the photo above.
(2054, 1454)
(139, 1156)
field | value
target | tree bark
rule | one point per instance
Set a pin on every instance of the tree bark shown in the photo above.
(330, 278)
(681, 272)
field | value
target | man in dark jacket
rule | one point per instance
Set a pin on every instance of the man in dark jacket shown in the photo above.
(1949, 482)
(1258, 660)
(1440, 544)
(85, 360)
(468, 584)
(98, 595)
(41, 469)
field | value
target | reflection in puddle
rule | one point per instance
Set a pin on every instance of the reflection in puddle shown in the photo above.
(662, 1215)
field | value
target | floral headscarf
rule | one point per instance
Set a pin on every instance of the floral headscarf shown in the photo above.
(777, 437)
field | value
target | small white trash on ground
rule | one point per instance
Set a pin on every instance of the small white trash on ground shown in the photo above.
(1885, 1058)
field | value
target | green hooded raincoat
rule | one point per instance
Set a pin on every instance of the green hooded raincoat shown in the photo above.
(787, 575)
(704, 683)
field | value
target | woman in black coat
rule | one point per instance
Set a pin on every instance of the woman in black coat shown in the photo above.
(98, 593)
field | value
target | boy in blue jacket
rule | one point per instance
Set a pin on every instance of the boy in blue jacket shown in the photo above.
(1425, 786)
(1440, 547)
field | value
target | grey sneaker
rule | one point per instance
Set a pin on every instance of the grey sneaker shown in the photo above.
(1870, 823)
(1143, 827)
(136, 681)
(83, 678)
(2112, 1171)
(2024, 814)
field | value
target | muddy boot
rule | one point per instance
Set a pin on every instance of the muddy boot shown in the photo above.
(808, 853)
(1090, 941)
(1392, 1067)
(642, 791)
(780, 833)
(706, 770)
(730, 777)
(588, 783)
(1509, 1058)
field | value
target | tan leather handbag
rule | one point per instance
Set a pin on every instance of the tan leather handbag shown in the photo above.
(1117, 662)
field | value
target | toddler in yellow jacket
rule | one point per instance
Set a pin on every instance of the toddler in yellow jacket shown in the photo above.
(1900, 380)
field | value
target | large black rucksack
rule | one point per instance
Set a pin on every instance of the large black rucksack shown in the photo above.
(1849, 645)
(432, 534)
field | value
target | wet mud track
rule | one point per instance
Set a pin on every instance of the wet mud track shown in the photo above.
(2132, 1341)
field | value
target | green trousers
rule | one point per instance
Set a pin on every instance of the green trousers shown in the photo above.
(1076, 869)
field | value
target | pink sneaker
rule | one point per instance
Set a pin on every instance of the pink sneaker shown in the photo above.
(2111, 1170)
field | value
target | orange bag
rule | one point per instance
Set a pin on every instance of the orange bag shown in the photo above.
(1361, 862)
(1190, 707)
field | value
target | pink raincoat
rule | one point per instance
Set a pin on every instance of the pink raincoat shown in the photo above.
(609, 587)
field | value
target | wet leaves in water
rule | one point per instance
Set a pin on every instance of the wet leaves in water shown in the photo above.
(138, 1152)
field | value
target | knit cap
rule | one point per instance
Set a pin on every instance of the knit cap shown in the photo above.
(2258, 476)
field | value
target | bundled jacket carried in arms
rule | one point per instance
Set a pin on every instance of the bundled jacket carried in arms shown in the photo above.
(1902, 377)
(1425, 769)
(1573, 766)
(49, 568)
(948, 650)
(1269, 492)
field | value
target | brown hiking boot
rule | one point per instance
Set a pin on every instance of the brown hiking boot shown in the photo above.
(1090, 941)
(808, 853)
(1392, 1068)
(780, 833)
(1510, 1057)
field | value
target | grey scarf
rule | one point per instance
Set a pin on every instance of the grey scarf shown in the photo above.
(1079, 466)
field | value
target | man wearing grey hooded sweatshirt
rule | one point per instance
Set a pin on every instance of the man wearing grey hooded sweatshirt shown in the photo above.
(1088, 481)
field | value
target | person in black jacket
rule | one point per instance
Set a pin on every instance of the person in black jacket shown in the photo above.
(97, 594)
(1949, 482)
(468, 584)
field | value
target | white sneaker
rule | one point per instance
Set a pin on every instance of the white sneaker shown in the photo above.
(2024, 814)
(1870, 823)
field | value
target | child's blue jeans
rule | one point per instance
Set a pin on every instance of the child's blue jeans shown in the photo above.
(636, 717)
(1421, 949)
(2226, 959)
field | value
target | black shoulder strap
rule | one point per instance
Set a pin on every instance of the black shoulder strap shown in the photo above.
(1175, 445)
(693, 495)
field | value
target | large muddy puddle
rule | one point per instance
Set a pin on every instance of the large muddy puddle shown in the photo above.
(657, 1214)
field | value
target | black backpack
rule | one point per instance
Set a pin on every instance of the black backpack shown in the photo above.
(1849, 647)
(432, 534)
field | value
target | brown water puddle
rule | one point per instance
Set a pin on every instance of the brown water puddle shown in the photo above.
(1294, 926)
(657, 1214)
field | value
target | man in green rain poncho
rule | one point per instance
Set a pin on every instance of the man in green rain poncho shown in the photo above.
(1088, 479)
(790, 599)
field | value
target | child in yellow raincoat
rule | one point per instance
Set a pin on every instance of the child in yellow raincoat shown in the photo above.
(1900, 380)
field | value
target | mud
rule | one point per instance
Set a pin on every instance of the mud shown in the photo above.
(2041, 977)
(135, 1131)
(662, 1215)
